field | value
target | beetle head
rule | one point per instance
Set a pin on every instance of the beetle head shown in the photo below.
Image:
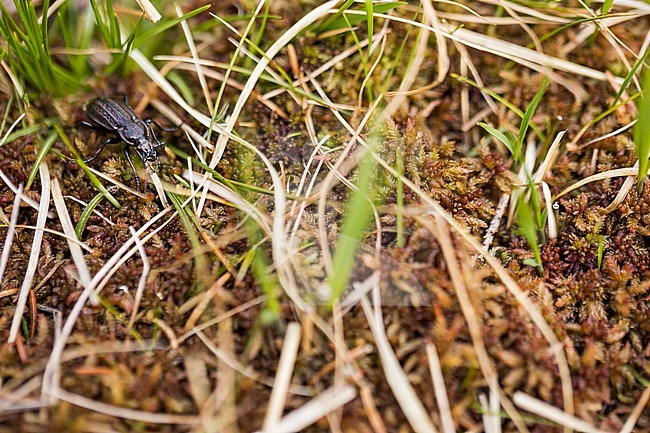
(146, 149)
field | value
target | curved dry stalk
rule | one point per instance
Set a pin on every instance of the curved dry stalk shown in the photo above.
(143, 278)
(34, 254)
(282, 380)
(439, 389)
(195, 56)
(545, 410)
(403, 391)
(121, 412)
(618, 172)
(11, 232)
(444, 63)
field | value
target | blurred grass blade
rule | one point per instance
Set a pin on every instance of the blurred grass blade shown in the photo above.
(370, 19)
(357, 216)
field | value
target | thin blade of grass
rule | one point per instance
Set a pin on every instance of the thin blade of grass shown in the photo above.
(528, 228)
(528, 115)
(345, 19)
(369, 18)
(642, 131)
(83, 219)
(45, 148)
(512, 145)
(630, 75)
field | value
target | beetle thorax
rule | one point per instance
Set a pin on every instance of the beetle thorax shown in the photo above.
(133, 133)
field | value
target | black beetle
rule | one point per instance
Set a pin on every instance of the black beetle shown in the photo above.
(109, 115)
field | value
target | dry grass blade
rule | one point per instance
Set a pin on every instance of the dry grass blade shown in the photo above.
(23, 197)
(160, 190)
(247, 371)
(121, 412)
(406, 397)
(549, 159)
(11, 128)
(440, 389)
(68, 229)
(149, 10)
(327, 401)
(34, 254)
(195, 56)
(550, 214)
(283, 376)
(462, 293)
(552, 413)
(213, 291)
(11, 232)
(143, 278)
(444, 62)
(631, 421)
(629, 171)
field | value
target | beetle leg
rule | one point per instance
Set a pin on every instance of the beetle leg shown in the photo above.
(90, 125)
(127, 153)
(111, 140)
(171, 129)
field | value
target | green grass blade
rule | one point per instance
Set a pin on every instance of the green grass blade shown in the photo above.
(370, 18)
(530, 111)
(21, 133)
(45, 149)
(642, 130)
(630, 76)
(607, 6)
(189, 224)
(528, 228)
(503, 138)
(356, 218)
(502, 100)
(337, 16)
(400, 197)
(83, 219)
